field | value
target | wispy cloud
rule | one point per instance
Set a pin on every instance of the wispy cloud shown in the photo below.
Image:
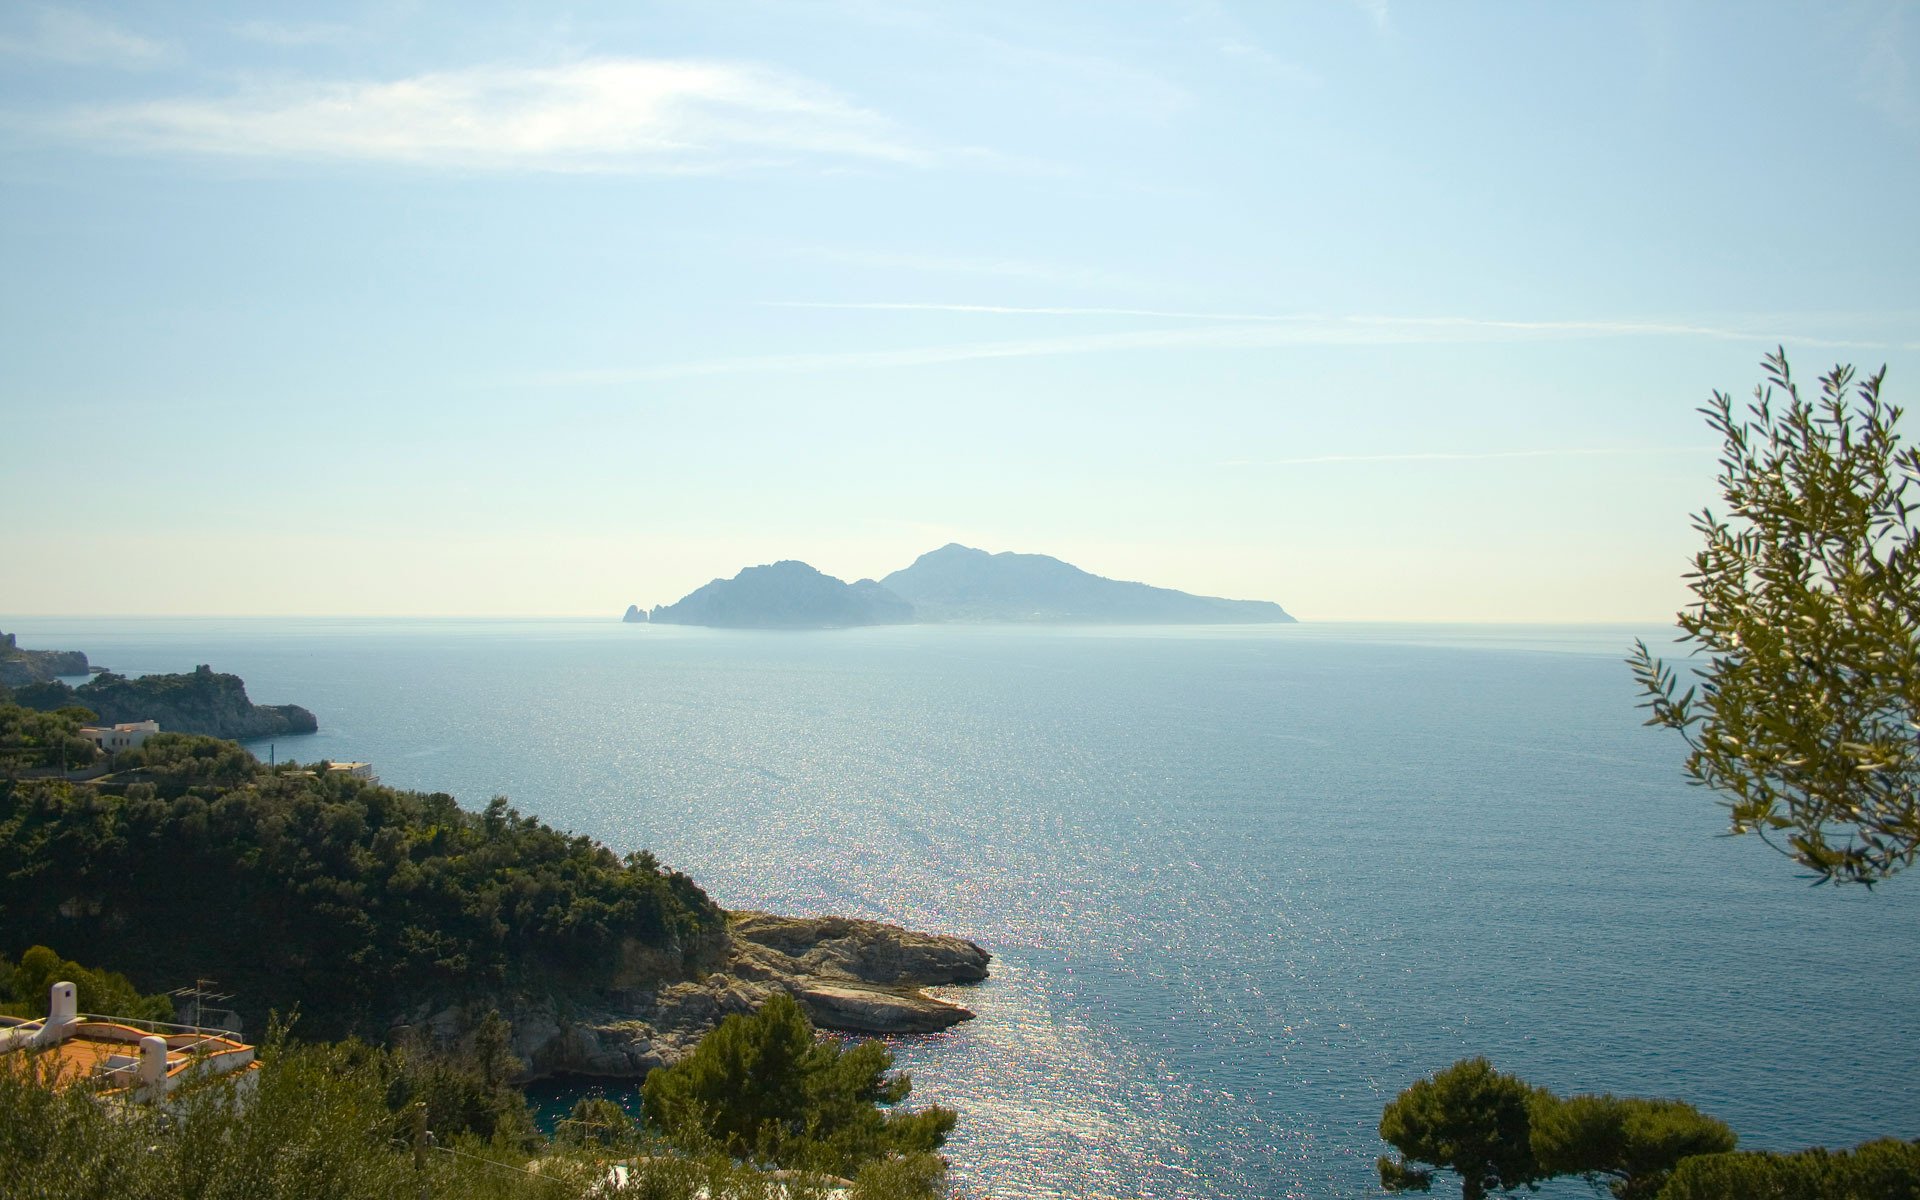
(65, 36)
(1349, 328)
(958, 264)
(1254, 334)
(1377, 12)
(280, 33)
(1476, 455)
(1271, 64)
(607, 114)
(1884, 80)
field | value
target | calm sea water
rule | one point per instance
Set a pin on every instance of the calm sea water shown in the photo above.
(1242, 884)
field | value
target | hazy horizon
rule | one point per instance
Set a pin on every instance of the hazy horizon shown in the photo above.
(1377, 311)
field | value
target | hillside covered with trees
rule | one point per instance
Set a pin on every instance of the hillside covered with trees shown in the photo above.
(347, 899)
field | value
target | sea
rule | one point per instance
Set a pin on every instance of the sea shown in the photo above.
(1242, 884)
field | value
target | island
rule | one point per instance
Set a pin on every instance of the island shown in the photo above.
(786, 595)
(635, 615)
(959, 583)
(953, 583)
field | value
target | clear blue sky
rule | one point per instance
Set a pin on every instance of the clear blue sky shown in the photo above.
(1377, 309)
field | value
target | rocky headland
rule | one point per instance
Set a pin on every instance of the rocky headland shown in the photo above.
(852, 976)
(203, 701)
(19, 667)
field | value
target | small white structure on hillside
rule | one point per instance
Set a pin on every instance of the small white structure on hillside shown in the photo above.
(115, 738)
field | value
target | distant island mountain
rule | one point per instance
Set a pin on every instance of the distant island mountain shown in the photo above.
(786, 595)
(959, 583)
(953, 583)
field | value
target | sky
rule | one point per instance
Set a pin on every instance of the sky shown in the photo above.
(1380, 310)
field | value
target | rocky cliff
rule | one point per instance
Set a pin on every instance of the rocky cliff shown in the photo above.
(204, 701)
(852, 976)
(19, 667)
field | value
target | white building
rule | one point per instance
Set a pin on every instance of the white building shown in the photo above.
(119, 1060)
(115, 738)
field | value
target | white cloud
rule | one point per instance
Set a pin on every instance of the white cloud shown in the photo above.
(608, 114)
(66, 36)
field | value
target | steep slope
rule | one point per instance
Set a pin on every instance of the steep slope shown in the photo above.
(958, 583)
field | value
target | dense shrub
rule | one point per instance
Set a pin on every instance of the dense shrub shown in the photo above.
(761, 1087)
(1886, 1169)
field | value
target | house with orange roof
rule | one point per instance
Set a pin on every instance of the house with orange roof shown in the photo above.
(143, 1062)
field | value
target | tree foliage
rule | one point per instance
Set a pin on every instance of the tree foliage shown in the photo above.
(1498, 1132)
(350, 900)
(1630, 1144)
(25, 986)
(761, 1087)
(1469, 1119)
(32, 740)
(1886, 1169)
(1807, 608)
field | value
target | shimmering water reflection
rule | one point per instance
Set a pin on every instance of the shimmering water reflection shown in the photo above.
(1243, 884)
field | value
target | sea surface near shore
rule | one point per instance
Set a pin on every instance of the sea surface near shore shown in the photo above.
(1243, 884)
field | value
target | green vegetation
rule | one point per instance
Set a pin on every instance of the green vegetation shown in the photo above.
(1497, 1133)
(1630, 1145)
(349, 900)
(761, 1087)
(34, 741)
(1886, 1169)
(1469, 1119)
(24, 987)
(1808, 609)
(323, 1123)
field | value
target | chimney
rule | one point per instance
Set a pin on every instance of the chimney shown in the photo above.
(63, 1004)
(63, 1012)
(153, 1067)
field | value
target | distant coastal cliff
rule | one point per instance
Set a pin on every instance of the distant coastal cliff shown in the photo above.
(204, 701)
(953, 583)
(18, 667)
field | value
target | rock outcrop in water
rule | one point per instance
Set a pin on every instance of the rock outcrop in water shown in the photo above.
(852, 976)
(635, 615)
